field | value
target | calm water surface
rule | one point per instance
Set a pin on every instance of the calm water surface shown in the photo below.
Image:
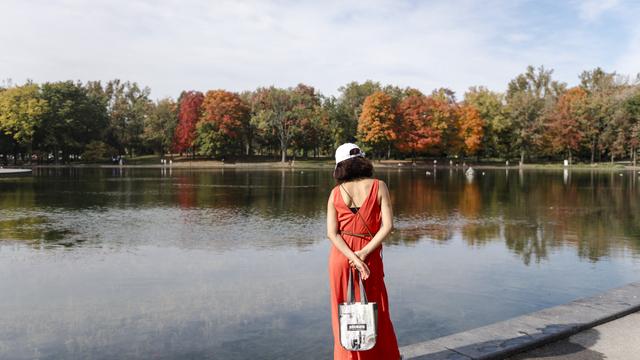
(232, 264)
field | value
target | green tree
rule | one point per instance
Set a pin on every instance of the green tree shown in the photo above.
(600, 105)
(498, 130)
(72, 120)
(622, 134)
(128, 105)
(250, 131)
(308, 113)
(160, 125)
(274, 117)
(528, 95)
(632, 108)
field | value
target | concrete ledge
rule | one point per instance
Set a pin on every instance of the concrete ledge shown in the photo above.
(12, 172)
(505, 338)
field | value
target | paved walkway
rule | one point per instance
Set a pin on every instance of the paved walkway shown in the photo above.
(605, 326)
(616, 340)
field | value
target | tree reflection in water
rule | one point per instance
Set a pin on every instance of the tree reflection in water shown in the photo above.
(531, 212)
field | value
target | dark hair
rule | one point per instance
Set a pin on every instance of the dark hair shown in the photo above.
(355, 168)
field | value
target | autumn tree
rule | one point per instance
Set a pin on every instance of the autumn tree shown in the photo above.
(21, 112)
(189, 112)
(377, 127)
(471, 128)
(420, 128)
(445, 112)
(566, 122)
(224, 115)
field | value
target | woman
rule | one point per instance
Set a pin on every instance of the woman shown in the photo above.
(359, 218)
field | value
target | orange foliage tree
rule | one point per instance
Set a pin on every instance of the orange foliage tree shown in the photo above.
(471, 128)
(444, 110)
(420, 129)
(377, 124)
(224, 115)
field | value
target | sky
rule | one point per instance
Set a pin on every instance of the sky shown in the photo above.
(176, 45)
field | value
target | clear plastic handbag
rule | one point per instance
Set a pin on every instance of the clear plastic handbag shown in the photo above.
(358, 320)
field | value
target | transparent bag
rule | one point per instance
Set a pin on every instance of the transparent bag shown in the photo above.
(358, 320)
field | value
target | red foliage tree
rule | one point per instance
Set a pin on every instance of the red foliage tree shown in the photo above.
(420, 129)
(190, 109)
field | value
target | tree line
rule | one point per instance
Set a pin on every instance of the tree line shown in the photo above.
(536, 119)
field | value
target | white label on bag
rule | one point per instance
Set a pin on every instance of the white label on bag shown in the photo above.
(357, 327)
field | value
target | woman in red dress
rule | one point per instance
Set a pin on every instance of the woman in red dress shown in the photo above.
(359, 218)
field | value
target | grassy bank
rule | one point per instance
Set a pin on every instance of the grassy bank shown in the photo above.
(154, 161)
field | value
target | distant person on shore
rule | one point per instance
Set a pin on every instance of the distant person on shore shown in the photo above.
(359, 218)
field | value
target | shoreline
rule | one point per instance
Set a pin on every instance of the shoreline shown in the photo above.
(526, 332)
(317, 164)
(15, 171)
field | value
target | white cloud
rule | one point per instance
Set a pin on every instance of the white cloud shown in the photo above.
(173, 45)
(591, 10)
(629, 62)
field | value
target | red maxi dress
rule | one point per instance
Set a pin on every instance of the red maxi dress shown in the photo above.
(386, 347)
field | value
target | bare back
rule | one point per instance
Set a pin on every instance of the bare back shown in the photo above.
(359, 191)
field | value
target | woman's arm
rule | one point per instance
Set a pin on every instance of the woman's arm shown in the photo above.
(338, 241)
(387, 222)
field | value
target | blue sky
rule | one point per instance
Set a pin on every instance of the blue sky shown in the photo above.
(172, 45)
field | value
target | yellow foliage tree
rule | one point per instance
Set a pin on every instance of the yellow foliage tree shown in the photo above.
(21, 110)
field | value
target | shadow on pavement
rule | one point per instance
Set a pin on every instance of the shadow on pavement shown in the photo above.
(574, 348)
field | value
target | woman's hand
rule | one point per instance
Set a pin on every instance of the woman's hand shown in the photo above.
(362, 254)
(361, 266)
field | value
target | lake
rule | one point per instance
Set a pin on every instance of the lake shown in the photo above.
(109, 263)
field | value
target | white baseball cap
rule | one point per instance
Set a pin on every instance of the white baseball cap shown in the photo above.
(344, 152)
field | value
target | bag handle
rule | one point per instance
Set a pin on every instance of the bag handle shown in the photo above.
(351, 298)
